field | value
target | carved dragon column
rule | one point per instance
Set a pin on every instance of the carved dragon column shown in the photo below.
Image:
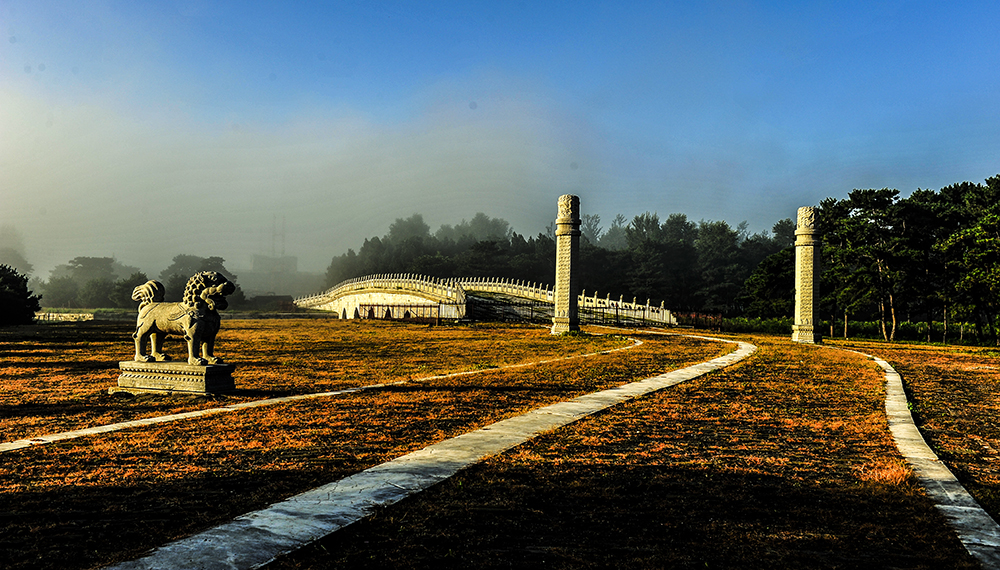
(565, 317)
(805, 328)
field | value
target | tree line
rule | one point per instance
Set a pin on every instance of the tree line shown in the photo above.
(100, 282)
(689, 266)
(933, 257)
(930, 261)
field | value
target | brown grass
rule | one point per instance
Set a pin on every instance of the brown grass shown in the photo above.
(955, 396)
(782, 461)
(55, 378)
(90, 501)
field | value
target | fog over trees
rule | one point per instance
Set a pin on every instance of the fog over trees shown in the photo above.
(690, 266)
(932, 257)
(104, 282)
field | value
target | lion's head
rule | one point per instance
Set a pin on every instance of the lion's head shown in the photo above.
(208, 288)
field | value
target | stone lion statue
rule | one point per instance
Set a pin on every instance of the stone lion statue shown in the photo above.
(196, 317)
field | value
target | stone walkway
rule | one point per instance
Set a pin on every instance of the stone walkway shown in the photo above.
(257, 538)
(254, 539)
(978, 532)
(45, 439)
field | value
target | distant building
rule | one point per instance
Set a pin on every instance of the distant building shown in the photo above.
(278, 276)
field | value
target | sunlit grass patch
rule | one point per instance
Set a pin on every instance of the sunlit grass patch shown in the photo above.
(781, 461)
(888, 471)
(58, 365)
(954, 392)
(93, 500)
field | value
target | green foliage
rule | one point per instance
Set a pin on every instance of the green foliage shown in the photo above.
(121, 291)
(187, 265)
(412, 227)
(86, 269)
(590, 228)
(614, 239)
(480, 228)
(17, 304)
(96, 293)
(930, 256)
(85, 282)
(176, 275)
(62, 292)
(769, 291)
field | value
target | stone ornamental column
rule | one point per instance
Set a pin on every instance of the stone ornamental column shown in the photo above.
(806, 278)
(565, 317)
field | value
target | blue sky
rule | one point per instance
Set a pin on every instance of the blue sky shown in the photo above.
(144, 130)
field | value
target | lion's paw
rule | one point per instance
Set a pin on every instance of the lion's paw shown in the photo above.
(144, 358)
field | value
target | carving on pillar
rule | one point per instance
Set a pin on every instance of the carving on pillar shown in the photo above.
(807, 218)
(569, 209)
(567, 232)
(807, 270)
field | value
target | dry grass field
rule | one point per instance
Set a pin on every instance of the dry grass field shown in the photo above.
(781, 461)
(955, 393)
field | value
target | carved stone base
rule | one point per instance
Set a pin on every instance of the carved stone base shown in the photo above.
(174, 377)
(564, 324)
(806, 334)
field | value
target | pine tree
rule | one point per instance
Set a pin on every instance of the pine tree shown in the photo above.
(17, 305)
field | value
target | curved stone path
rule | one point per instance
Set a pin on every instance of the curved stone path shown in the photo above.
(257, 538)
(45, 439)
(977, 530)
(254, 539)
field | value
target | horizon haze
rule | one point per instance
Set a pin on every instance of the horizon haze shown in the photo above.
(143, 131)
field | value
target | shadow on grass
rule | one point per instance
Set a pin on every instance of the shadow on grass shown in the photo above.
(605, 516)
(510, 516)
(78, 526)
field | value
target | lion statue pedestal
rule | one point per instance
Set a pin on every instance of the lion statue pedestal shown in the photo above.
(174, 377)
(196, 319)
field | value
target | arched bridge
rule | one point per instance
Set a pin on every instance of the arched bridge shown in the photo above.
(401, 296)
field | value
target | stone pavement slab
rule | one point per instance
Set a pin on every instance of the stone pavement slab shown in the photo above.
(257, 538)
(50, 438)
(977, 530)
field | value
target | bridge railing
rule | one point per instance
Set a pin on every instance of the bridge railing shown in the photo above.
(444, 289)
(454, 291)
(633, 311)
(512, 287)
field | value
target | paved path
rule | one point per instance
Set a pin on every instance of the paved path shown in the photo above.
(254, 539)
(45, 439)
(976, 529)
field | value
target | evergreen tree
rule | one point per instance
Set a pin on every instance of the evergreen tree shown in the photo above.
(17, 304)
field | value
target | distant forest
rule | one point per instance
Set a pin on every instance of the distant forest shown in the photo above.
(931, 257)
(688, 266)
(104, 282)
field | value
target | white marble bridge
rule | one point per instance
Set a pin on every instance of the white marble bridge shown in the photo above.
(403, 295)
